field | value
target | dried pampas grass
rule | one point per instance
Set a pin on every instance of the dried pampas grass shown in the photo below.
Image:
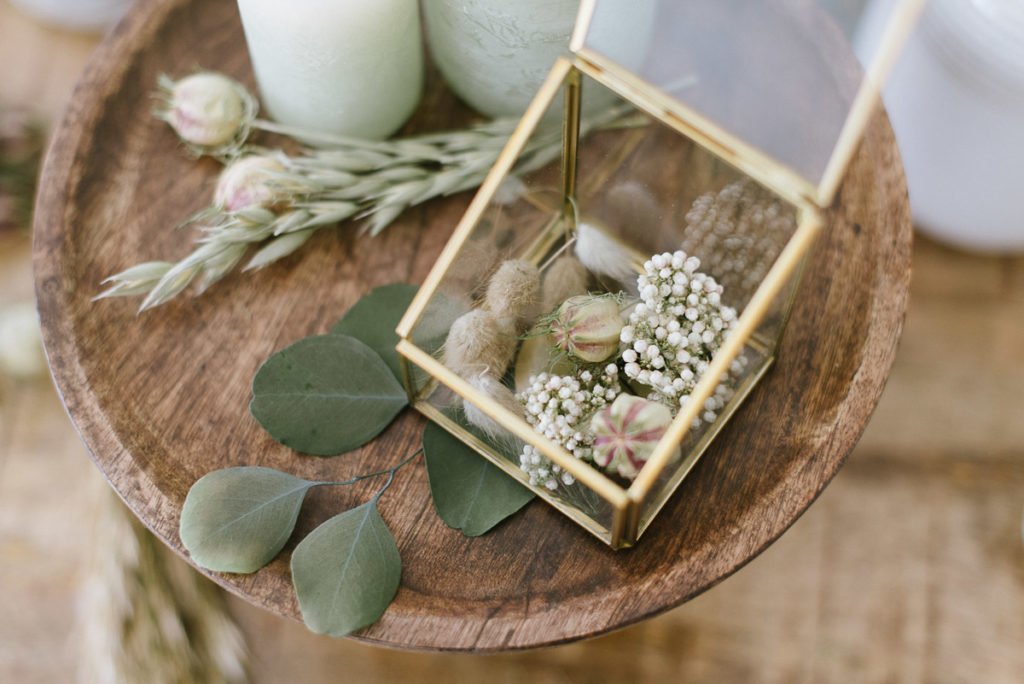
(480, 342)
(514, 292)
(604, 256)
(494, 390)
(565, 278)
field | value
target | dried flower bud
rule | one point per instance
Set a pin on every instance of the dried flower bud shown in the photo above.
(247, 182)
(566, 277)
(514, 292)
(208, 111)
(588, 327)
(480, 342)
(627, 432)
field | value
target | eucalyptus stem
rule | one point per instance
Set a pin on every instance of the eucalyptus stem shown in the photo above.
(390, 472)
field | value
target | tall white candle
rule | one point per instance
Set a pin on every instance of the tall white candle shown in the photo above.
(345, 67)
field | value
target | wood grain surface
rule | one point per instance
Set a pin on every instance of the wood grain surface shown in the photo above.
(160, 400)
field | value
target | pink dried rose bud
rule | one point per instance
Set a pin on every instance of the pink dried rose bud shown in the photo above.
(627, 432)
(247, 183)
(588, 327)
(208, 110)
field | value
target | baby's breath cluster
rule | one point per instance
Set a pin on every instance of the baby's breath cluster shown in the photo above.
(560, 408)
(675, 330)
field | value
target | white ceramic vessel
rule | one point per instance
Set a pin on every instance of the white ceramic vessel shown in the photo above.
(344, 67)
(77, 15)
(495, 54)
(956, 100)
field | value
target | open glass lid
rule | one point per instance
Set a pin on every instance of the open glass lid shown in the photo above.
(773, 86)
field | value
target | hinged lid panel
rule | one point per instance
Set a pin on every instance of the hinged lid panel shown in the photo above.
(775, 79)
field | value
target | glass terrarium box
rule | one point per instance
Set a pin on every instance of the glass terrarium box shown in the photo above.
(623, 277)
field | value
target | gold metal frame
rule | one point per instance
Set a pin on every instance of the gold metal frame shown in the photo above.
(634, 508)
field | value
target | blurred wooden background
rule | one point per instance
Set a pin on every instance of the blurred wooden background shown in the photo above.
(910, 568)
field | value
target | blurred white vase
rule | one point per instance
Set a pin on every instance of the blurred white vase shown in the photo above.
(77, 15)
(956, 101)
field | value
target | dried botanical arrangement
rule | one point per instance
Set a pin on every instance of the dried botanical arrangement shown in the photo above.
(275, 201)
(625, 366)
(594, 351)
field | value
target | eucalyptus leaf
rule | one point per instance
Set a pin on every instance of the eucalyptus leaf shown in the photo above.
(238, 519)
(470, 493)
(374, 318)
(346, 572)
(326, 395)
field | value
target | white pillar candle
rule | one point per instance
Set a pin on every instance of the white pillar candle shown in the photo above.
(344, 67)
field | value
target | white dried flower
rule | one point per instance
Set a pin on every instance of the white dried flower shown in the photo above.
(248, 182)
(560, 408)
(210, 112)
(675, 331)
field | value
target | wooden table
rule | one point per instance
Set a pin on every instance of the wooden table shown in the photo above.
(907, 569)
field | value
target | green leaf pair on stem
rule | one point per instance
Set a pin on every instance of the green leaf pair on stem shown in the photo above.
(345, 573)
(327, 395)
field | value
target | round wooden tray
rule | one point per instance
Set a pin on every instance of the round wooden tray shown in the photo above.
(162, 399)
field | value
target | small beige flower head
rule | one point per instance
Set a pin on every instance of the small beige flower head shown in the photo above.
(249, 182)
(211, 113)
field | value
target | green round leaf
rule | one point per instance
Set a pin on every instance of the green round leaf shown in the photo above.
(346, 572)
(238, 519)
(326, 395)
(374, 318)
(470, 493)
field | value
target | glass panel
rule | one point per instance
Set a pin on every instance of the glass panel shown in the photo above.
(520, 230)
(649, 203)
(780, 75)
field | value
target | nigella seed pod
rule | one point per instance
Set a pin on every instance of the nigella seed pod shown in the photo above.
(247, 183)
(588, 327)
(208, 110)
(514, 292)
(478, 343)
(627, 433)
